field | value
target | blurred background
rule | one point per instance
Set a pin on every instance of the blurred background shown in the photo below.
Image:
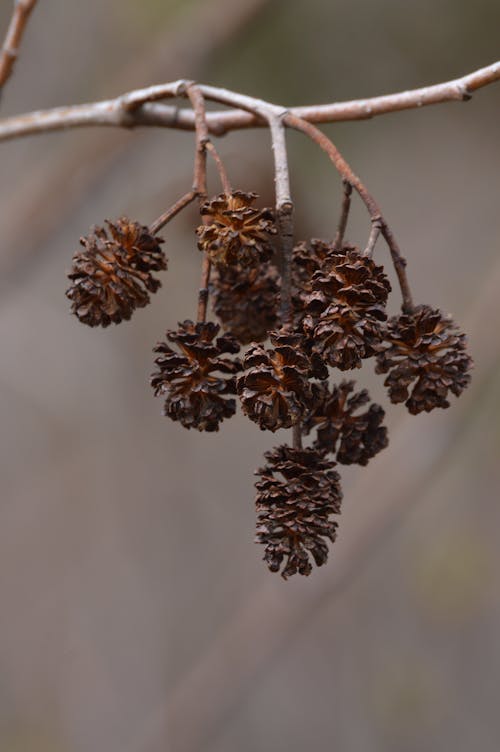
(136, 613)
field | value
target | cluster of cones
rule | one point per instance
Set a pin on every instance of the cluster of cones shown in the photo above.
(339, 319)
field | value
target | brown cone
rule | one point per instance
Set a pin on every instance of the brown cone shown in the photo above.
(307, 259)
(190, 378)
(235, 231)
(345, 309)
(275, 389)
(112, 276)
(424, 349)
(353, 438)
(297, 492)
(246, 300)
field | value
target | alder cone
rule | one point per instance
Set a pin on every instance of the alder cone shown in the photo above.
(246, 300)
(307, 259)
(354, 438)
(235, 232)
(345, 309)
(195, 378)
(111, 276)
(275, 390)
(425, 357)
(297, 492)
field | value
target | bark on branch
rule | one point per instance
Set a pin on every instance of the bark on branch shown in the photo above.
(141, 108)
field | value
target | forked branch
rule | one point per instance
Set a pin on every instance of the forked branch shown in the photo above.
(141, 108)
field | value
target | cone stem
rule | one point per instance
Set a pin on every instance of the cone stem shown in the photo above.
(344, 215)
(373, 208)
(200, 185)
(284, 214)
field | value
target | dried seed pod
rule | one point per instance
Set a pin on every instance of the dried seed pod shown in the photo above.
(236, 231)
(195, 379)
(345, 308)
(246, 300)
(111, 276)
(275, 389)
(297, 492)
(426, 349)
(308, 258)
(354, 438)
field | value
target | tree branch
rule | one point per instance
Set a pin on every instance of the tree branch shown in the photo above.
(17, 26)
(139, 108)
(372, 206)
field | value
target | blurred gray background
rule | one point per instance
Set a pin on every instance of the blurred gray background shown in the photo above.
(136, 613)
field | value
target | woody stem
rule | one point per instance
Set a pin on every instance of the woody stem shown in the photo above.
(284, 214)
(200, 185)
(373, 208)
(344, 215)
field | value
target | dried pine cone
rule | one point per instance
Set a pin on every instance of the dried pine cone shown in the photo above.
(237, 232)
(306, 260)
(358, 437)
(111, 277)
(293, 510)
(424, 348)
(246, 300)
(275, 389)
(345, 308)
(195, 394)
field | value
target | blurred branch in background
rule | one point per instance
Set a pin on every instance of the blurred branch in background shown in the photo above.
(17, 26)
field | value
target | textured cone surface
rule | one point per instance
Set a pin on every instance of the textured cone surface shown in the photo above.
(297, 492)
(195, 379)
(345, 308)
(425, 357)
(246, 300)
(235, 232)
(111, 276)
(307, 259)
(275, 389)
(353, 438)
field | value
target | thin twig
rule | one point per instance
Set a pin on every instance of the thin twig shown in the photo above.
(284, 214)
(200, 164)
(372, 240)
(372, 206)
(344, 215)
(17, 26)
(118, 112)
(226, 185)
(179, 205)
(200, 185)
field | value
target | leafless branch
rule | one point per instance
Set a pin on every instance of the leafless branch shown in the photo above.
(179, 205)
(344, 215)
(284, 213)
(372, 240)
(139, 108)
(10, 50)
(372, 206)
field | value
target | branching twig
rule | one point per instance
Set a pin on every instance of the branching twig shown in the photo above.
(124, 111)
(17, 26)
(372, 206)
